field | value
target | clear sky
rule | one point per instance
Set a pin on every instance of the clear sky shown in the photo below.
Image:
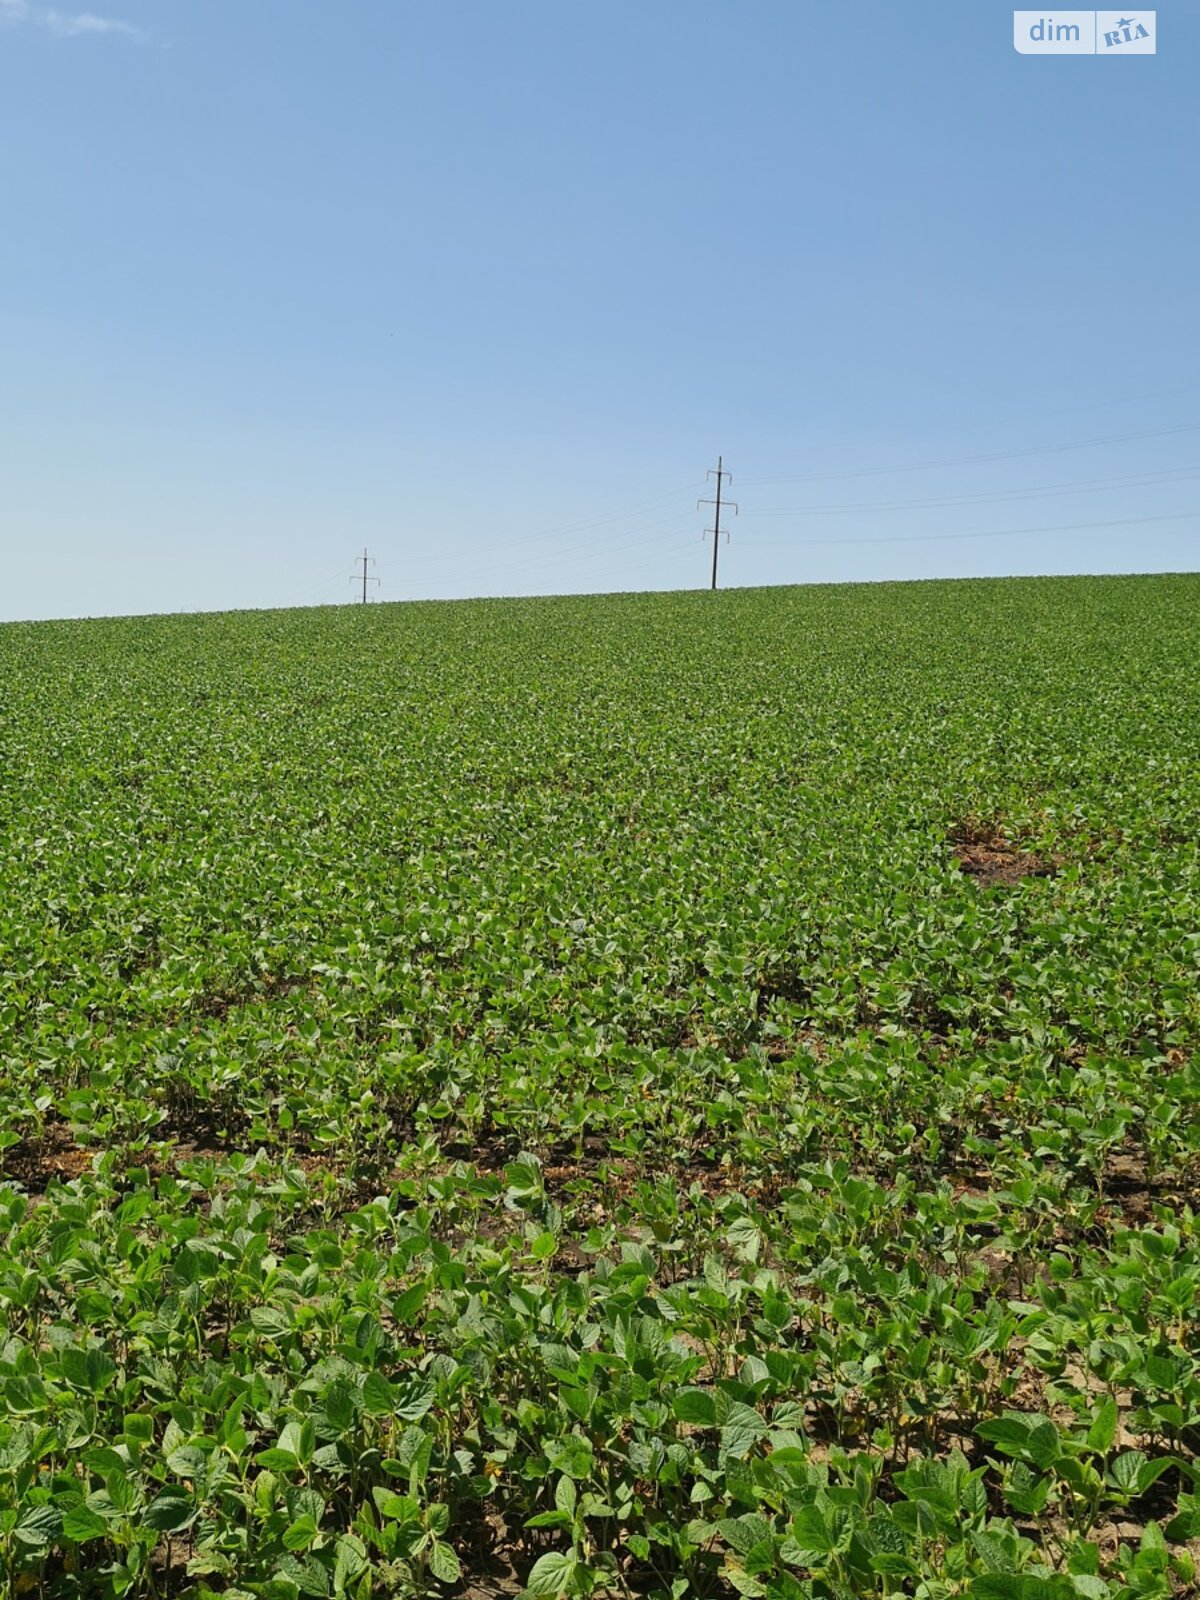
(487, 286)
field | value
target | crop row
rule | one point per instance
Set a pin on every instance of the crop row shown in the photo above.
(671, 1096)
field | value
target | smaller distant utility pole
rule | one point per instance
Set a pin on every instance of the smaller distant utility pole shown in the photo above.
(361, 577)
(720, 474)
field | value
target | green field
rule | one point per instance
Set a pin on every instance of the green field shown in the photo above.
(676, 1095)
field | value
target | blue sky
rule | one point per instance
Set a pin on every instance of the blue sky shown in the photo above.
(487, 287)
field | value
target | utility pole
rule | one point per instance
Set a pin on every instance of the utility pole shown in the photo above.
(719, 474)
(362, 578)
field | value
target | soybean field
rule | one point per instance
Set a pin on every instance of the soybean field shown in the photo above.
(681, 1096)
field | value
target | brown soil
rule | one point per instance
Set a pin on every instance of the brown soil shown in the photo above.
(200, 1127)
(1132, 1194)
(36, 1163)
(264, 988)
(985, 854)
(488, 1149)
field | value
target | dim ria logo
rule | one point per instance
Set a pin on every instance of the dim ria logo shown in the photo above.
(1084, 33)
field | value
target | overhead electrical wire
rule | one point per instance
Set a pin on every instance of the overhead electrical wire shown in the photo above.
(967, 461)
(989, 533)
(1043, 491)
(517, 570)
(568, 552)
(526, 558)
(330, 592)
(1069, 411)
(583, 526)
(671, 553)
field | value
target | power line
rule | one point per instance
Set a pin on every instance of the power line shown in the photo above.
(596, 549)
(328, 594)
(1068, 411)
(719, 473)
(582, 526)
(364, 558)
(1041, 491)
(564, 553)
(996, 455)
(584, 555)
(671, 552)
(311, 593)
(991, 533)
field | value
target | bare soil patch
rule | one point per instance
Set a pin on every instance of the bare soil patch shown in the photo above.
(986, 854)
(260, 990)
(1133, 1194)
(36, 1163)
(202, 1127)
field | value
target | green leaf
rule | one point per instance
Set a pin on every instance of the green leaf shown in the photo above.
(696, 1406)
(81, 1523)
(339, 1405)
(1007, 1433)
(890, 1565)
(743, 1533)
(1090, 1586)
(122, 1491)
(299, 1437)
(170, 1511)
(396, 1507)
(406, 1305)
(305, 1572)
(1125, 1472)
(89, 1370)
(351, 1561)
(1021, 1586)
(743, 1429)
(300, 1534)
(412, 1399)
(809, 1540)
(39, 1526)
(377, 1395)
(744, 1582)
(138, 1426)
(1044, 1444)
(273, 1321)
(552, 1574)
(1103, 1430)
(550, 1519)
(1185, 1525)
(1134, 1473)
(443, 1563)
(187, 1462)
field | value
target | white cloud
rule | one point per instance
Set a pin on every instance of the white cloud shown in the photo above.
(66, 24)
(72, 25)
